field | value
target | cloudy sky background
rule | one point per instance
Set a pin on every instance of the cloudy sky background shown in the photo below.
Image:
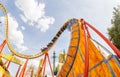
(33, 23)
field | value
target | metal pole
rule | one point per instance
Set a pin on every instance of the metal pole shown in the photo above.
(54, 57)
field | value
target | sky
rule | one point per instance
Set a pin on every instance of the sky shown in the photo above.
(33, 23)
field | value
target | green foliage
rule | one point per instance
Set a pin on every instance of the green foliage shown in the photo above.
(114, 31)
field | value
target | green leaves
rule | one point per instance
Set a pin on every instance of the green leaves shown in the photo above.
(114, 31)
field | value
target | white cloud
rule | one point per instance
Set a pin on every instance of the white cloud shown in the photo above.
(16, 36)
(118, 2)
(23, 18)
(2, 34)
(34, 13)
(23, 28)
(44, 23)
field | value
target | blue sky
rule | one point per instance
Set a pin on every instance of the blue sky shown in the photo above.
(33, 23)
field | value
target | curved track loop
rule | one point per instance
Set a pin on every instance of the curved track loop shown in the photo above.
(75, 61)
(42, 51)
(45, 49)
(6, 19)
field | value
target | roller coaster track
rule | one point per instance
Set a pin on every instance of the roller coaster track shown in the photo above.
(77, 28)
(42, 51)
(68, 24)
(73, 48)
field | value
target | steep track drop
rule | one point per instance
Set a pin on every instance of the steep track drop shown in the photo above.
(98, 65)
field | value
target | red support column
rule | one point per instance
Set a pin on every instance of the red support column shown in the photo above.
(86, 50)
(2, 46)
(50, 65)
(6, 62)
(88, 33)
(18, 71)
(41, 68)
(105, 39)
(44, 67)
(23, 69)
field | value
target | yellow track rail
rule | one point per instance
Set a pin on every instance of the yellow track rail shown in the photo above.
(41, 52)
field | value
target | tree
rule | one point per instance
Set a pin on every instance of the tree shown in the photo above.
(114, 31)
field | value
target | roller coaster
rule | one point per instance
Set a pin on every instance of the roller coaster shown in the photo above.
(84, 58)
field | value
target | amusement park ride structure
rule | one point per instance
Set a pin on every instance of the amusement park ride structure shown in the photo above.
(83, 57)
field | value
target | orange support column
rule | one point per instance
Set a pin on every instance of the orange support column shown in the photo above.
(50, 65)
(40, 69)
(44, 65)
(18, 71)
(2, 45)
(23, 69)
